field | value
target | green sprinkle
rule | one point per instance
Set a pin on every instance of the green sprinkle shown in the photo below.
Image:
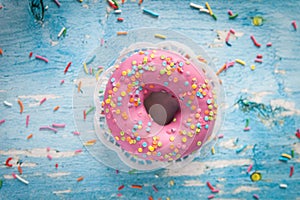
(214, 16)
(233, 16)
(247, 123)
(292, 153)
(90, 110)
(1, 183)
(132, 171)
(64, 32)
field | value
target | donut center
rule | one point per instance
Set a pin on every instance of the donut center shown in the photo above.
(162, 107)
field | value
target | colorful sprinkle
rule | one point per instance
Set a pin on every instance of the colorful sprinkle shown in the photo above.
(137, 186)
(41, 58)
(80, 178)
(7, 162)
(294, 25)
(254, 41)
(151, 13)
(6, 103)
(29, 136)
(255, 176)
(43, 128)
(20, 178)
(21, 106)
(291, 171)
(67, 67)
(2, 121)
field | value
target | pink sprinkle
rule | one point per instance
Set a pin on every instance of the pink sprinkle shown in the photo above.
(58, 125)
(2, 121)
(41, 58)
(119, 194)
(154, 188)
(294, 25)
(220, 135)
(57, 3)
(49, 157)
(215, 191)
(62, 82)
(247, 128)
(227, 37)
(232, 31)
(211, 196)
(255, 196)
(48, 149)
(14, 175)
(43, 128)
(230, 12)
(254, 41)
(102, 41)
(258, 60)
(43, 100)
(78, 151)
(27, 120)
(76, 133)
(91, 70)
(249, 168)
(269, 44)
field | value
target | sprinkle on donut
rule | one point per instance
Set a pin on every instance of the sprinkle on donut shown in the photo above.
(145, 73)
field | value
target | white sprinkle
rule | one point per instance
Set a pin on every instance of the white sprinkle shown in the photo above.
(284, 186)
(6, 103)
(118, 11)
(193, 5)
(204, 10)
(61, 32)
(21, 179)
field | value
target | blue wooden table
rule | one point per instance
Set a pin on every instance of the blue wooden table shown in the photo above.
(267, 97)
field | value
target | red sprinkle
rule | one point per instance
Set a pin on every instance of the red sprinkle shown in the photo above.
(269, 44)
(136, 186)
(7, 162)
(259, 56)
(294, 25)
(211, 196)
(291, 171)
(84, 115)
(254, 41)
(30, 54)
(56, 165)
(298, 133)
(67, 67)
(120, 19)
(121, 187)
(210, 186)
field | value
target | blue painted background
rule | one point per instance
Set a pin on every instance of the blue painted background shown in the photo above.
(275, 82)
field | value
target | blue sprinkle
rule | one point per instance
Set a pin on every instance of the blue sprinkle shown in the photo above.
(140, 122)
(119, 104)
(135, 126)
(206, 126)
(198, 125)
(198, 94)
(144, 144)
(141, 71)
(164, 63)
(181, 64)
(149, 123)
(137, 92)
(241, 149)
(148, 129)
(112, 80)
(208, 101)
(206, 118)
(166, 83)
(283, 159)
(138, 138)
(158, 154)
(149, 12)
(186, 83)
(119, 98)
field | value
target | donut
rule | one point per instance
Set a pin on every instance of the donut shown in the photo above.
(158, 105)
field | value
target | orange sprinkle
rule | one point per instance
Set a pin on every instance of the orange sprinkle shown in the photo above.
(1, 51)
(136, 186)
(55, 108)
(80, 178)
(79, 87)
(21, 106)
(20, 169)
(122, 33)
(150, 198)
(221, 69)
(29, 136)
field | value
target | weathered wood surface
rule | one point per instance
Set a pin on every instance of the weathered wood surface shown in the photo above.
(274, 83)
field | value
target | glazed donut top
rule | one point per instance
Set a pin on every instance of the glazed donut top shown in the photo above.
(138, 76)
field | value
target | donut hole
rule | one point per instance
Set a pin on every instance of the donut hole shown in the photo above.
(162, 107)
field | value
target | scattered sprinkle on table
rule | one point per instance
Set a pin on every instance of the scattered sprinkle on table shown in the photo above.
(254, 41)
(29, 136)
(283, 186)
(137, 186)
(21, 106)
(80, 178)
(55, 108)
(294, 25)
(43, 128)
(6, 103)
(122, 33)
(20, 178)
(67, 67)
(160, 36)
(151, 13)
(62, 31)
(255, 196)
(41, 58)
(2, 121)
(7, 162)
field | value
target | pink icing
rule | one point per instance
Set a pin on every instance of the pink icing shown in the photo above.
(137, 77)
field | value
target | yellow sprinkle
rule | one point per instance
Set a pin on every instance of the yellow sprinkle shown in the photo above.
(172, 138)
(183, 139)
(252, 67)
(124, 73)
(98, 73)
(208, 7)
(151, 148)
(194, 86)
(240, 61)
(286, 156)
(160, 36)
(85, 68)
(171, 182)
(107, 101)
(192, 126)
(123, 93)
(140, 150)
(213, 150)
